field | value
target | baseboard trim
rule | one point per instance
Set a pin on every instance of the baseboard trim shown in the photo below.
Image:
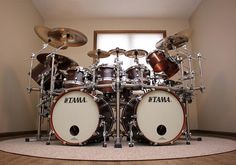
(20, 133)
(231, 134)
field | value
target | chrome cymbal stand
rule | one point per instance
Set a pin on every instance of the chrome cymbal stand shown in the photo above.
(52, 83)
(117, 64)
(30, 89)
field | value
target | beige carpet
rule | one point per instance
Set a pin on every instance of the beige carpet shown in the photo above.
(56, 150)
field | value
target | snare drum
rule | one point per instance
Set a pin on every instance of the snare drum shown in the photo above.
(76, 76)
(134, 74)
(161, 63)
(105, 74)
(76, 118)
(159, 117)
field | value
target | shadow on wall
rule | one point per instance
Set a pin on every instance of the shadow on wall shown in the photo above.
(17, 115)
(214, 104)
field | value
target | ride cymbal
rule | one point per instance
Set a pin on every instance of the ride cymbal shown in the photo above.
(98, 54)
(62, 62)
(136, 53)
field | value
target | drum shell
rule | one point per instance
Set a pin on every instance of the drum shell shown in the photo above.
(161, 63)
(134, 73)
(40, 69)
(76, 77)
(157, 60)
(105, 75)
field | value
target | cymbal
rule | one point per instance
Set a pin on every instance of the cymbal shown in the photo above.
(70, 37)
(117, 51)
(136, 53)
(57, 37)
(62, 62)
(175, 41)
(42, 32)
(98, 53)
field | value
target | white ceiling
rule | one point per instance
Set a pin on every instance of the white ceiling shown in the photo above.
(82, 9)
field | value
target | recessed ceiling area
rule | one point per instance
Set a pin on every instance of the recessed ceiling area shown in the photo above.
(85, 9)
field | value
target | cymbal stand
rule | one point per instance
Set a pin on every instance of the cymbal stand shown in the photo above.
(32, 58)
(52, 83)
(117, 64)
(199, 57)
(30, 89)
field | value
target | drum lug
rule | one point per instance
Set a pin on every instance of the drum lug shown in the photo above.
(139, 98)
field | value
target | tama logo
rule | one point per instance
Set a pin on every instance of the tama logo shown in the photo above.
(75, 100)
(159, 99)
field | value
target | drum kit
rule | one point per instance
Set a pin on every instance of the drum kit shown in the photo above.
(84, 106)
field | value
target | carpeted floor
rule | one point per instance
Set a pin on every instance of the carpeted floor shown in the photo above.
(207, 146)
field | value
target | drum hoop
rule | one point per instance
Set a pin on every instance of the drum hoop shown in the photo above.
(51, 114)
(68, 82)
(183, 110)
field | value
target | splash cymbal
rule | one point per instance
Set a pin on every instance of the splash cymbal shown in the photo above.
(98, 53)
(136, 53)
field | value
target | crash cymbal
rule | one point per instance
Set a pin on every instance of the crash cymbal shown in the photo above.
(42, 32)
(175, 41)
(70, 37)
(136, 53)
(57, 37)
(117, 51)
(98, 53)
(62, 62)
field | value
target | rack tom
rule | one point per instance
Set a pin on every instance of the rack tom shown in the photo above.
(161, 63)
(105, 74)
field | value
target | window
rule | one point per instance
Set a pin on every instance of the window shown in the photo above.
(107, 40)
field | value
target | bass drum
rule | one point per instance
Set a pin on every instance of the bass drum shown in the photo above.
(158, 115)
(77, 119)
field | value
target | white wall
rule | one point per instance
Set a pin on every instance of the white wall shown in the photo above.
(17, 108)
(88, 26)
(214, 34)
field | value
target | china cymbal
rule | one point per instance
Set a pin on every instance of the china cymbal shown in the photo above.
(175, 41)
(62, 62)
(57, 37)
(136, 53)
(117, 51)
(98, 53)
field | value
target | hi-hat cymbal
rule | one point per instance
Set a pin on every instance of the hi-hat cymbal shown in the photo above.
(117, 51)
(136, 53)
(62, 62)
(58, 37)
(175, 41)
(98, 53)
